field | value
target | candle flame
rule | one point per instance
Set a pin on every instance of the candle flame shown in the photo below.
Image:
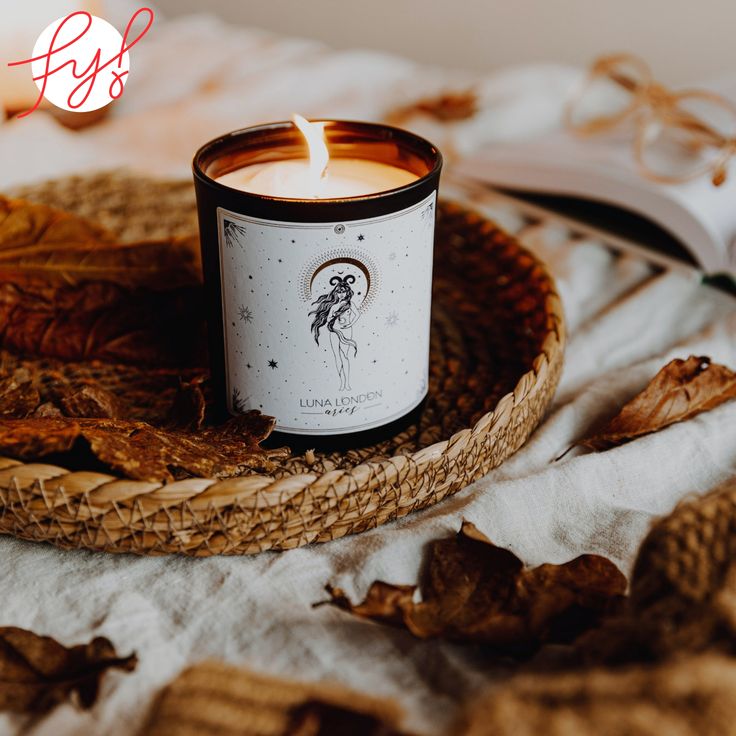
(319, 156)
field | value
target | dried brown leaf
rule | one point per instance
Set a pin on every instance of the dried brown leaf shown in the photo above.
(144, 452)
(93, 401)
(40, 245)
(158, 264)
(47, 410)
(384, 602)
(148, 392)
(104, 322)
(37, 673)
(188, 408)
(445, 107)
(473, 591)
(26, 225)
(680, 391)
(69, 290)
(18, 397)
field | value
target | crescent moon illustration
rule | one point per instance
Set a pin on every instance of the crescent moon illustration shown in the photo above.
(352, 262)
(338, 259)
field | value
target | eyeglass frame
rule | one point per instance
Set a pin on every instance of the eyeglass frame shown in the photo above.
(663, 106)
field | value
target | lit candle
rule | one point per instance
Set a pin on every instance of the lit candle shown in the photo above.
(318, 177)
(318, 275)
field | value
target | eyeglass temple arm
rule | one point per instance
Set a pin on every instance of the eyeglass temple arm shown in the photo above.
(683, 117)
(693, 123)
(624, 81)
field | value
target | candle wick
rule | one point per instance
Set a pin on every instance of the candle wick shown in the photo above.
(323, 175)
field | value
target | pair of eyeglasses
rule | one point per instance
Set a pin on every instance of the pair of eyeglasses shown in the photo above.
(679, 136)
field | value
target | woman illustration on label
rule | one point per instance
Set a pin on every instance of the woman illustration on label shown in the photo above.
(336, 311)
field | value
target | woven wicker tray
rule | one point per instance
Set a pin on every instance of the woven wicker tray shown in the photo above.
(496, 355)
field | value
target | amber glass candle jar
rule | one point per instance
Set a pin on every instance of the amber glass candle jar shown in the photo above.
(319, 299)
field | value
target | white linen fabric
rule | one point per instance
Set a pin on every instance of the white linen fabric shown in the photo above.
(196, 77)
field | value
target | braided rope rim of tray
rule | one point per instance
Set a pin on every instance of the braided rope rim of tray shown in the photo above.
(250, 514)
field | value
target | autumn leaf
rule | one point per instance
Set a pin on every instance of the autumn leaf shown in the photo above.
(26, 224)
(473, 591)
(445, 107)
(37, 673)
(680, 391)
(105, 322)
(156, 264)
(18, 397)
(144, 452)
(43, 245)
(69, 290)
(385, 603)
(93, 401)
(188, 408)
(47, 410)
(40, 389)
(148, 393)
(81, 422)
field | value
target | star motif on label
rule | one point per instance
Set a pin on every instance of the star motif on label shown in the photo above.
(273, 364)
(392, 319)
(245, 314)
(361, 237)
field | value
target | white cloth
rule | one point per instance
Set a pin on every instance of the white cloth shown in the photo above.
(197, 77)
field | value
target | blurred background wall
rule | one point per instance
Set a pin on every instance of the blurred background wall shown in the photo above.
(684, 40)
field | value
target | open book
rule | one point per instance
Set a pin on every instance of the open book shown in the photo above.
(595, 180)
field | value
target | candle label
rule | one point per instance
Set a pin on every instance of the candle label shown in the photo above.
(326, 325)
